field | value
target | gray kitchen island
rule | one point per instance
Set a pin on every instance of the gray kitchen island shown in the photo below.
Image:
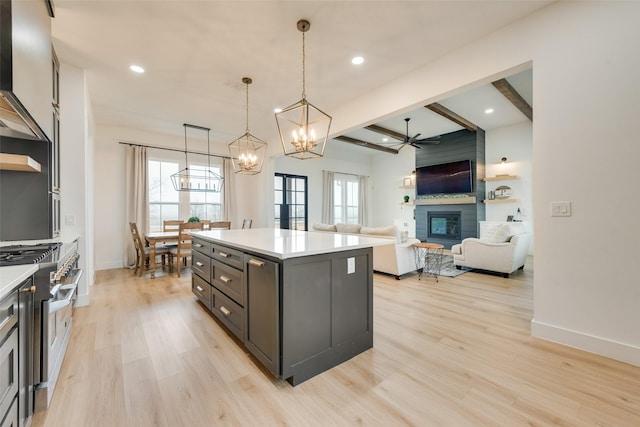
(301, 302)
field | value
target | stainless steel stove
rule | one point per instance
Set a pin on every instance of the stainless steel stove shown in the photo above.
(54, 294)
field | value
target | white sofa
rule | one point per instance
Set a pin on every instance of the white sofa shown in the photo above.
(501, 248)
(396, 258)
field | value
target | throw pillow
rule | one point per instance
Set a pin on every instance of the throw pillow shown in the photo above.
(499, 234)
(324, 227)
(348, 228)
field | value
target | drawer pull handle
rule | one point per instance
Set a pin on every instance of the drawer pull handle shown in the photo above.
(225, 311)
(29, 289)
(256, 262)
(225, 279)
(197, 245)
(199, 288)
(224, 254)
(199, 264)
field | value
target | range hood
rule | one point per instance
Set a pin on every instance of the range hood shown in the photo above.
(15, 121)
(25, 69)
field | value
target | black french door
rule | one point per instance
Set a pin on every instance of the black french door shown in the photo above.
(290, 201)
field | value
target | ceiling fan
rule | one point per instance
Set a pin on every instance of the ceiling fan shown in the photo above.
(414, 141)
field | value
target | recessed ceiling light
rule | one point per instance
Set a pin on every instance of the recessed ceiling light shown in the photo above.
(277, 110)
(385, 139)
(488, 111)
(357, 60)
(136, 69)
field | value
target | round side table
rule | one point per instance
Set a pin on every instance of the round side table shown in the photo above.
(428, 258)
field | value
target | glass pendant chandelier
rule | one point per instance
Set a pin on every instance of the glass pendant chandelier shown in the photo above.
(197, 179)
(303, 128)
(247, 152)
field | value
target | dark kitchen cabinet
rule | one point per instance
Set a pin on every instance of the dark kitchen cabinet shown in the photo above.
(263, 308)
(298, 316)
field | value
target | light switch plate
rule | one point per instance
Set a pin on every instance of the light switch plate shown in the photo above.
(69, 220)
(560, 208)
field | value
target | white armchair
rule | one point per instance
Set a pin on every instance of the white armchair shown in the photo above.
(503, 249)
(396, 259)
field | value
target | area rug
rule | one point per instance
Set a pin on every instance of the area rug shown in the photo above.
(448, 269)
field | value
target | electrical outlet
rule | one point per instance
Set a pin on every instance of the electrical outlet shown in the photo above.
(560, 208)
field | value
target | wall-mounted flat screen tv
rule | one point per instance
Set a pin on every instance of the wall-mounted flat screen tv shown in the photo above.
(446, 178)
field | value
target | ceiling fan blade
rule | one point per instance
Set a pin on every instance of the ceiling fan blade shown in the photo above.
(413, 138)
(413, 144)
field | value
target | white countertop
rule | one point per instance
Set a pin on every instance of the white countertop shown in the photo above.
(12, 276)
(285, 244)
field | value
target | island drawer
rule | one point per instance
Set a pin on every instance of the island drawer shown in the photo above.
(201, 245)
(229, 313)
(228, 256)
(201, 265)
(229, 281)
(202, 290)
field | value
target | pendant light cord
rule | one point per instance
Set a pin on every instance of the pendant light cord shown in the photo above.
(186, 160)
(247, 106)
(304, 94)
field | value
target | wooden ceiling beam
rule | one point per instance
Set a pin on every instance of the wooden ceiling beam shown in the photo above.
(384, 131)
(454, 117)
(365, 144)
(509, 92)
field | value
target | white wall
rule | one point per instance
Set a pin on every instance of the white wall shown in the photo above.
(584, 150)
(514, 143)
(76, 171)
(387, 196)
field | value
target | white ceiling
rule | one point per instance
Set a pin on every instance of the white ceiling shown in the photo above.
(196, 52)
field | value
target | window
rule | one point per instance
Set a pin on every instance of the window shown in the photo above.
(290, 202)
(205, 204)
(167, 203)
(345, 199)
(164, 201)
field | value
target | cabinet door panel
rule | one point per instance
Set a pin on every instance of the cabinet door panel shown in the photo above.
(262, 307)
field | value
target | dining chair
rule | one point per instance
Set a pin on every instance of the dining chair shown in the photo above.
(142, 251)
(206, 224)
(246, 223)
(221, 225)
(183, 250)
(171, 224)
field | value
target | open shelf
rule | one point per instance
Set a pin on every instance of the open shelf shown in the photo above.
(501, 177)
(18, 162)
(501, 200)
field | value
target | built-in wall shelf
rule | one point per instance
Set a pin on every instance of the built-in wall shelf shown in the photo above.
(18, 162)
(501, 177)
(406, 203)
(447, 201)
(501, 200)
(408, 186)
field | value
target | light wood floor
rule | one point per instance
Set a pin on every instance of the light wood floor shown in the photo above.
(456, 353)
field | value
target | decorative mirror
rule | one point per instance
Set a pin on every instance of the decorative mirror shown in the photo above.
(503, 192)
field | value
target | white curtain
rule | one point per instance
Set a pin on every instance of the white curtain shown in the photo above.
(137, 197)
(327, 197)
(363, 200)
(229, 190)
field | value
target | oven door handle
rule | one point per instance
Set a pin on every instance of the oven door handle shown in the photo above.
(58, 305)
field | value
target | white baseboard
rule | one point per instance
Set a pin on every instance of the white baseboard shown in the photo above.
(109, 265)
(600, 346)
(82, 300)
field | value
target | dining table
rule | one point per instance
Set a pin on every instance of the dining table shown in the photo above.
(154, 238)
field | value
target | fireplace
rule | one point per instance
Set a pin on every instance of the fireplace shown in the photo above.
(444, 225)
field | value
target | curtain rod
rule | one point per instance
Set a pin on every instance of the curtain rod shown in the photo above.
(172, 149)
(345, 173)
